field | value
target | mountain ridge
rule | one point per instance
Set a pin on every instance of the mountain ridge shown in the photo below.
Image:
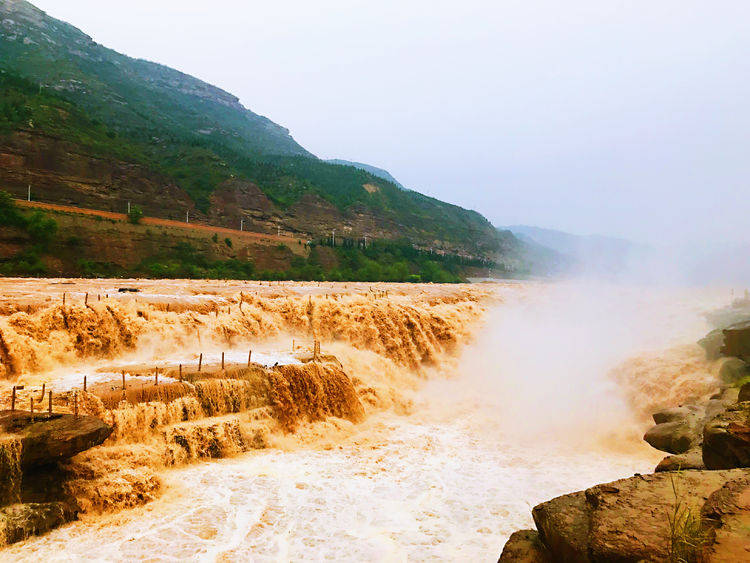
(85, 124)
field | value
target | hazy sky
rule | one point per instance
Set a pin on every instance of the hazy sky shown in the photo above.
(629, 118)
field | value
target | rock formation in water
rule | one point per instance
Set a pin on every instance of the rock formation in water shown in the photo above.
(695, 507)
(31, 445)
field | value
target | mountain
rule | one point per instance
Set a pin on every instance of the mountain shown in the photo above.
(590, 253)
(84, 125)
(374, 170)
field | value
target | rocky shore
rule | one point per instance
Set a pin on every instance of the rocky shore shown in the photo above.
(694, 507)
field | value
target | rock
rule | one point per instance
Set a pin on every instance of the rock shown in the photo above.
(673, 437)
(676, 414)
(744, 394)
(692, 459)
(732, 370)
(726, 438)
(737, 341)
(726, 514)
(524, 546)
(51, 438)
(563, 525)
(628, 518)
(21, 521)
(712, 344)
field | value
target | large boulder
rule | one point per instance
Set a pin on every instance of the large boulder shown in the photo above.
(524, 546)
(677, 429)
(48, 438)
(726, 438)
(629, 520)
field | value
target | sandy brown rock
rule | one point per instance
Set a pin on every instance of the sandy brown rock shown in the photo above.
(563, 525)
(524, 546)
(737, 341)
(629, 517)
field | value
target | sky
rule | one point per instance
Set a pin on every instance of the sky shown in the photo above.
(624, 118)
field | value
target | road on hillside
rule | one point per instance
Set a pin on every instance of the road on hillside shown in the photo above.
(261, 237)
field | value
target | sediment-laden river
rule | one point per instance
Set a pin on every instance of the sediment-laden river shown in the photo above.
(551, 396)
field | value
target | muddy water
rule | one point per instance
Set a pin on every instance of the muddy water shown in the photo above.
(531, 412)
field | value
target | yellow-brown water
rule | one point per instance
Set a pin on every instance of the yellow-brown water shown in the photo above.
(478, 403)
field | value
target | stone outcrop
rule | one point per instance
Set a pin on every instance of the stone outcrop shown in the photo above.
(629, 519)
(726, 438)
(737, 341)
(524, 546)
(50, 438)
(21, 521)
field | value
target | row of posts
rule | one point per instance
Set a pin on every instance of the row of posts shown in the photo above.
(316, 354)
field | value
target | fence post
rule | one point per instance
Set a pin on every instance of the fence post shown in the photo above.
(123, 380)
(50, 402)
(75, 403)
(32, 407)
(84, 383)
(249, 356)
(180, 373)
(156, 377)
(200, 361)
(13, 399)
(63, 298)
(43, 386)
(222, 360)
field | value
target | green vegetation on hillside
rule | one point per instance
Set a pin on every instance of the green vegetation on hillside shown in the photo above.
(39, 230)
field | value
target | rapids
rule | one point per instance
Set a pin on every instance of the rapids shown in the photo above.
(551, 396)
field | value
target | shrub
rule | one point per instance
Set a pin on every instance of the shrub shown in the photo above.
(135, 214)
(228, 242)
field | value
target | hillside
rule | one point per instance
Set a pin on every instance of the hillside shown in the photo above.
(374, 170)
(84, 125)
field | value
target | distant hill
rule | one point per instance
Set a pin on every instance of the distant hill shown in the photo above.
(374, 170)
(87, 126)
(591, 253)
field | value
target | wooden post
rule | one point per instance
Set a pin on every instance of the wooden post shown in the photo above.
(13, 398)
(98, 296)
(249, 356)
(200, 361)
(43, 386)
(86, 300)
(84, 383)
(63, 298)
(222, 360)
(75, 403)
(292, 344)
(180, 373)
(123, 380)
(156, 377)
(50, 402)
(32, 407)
